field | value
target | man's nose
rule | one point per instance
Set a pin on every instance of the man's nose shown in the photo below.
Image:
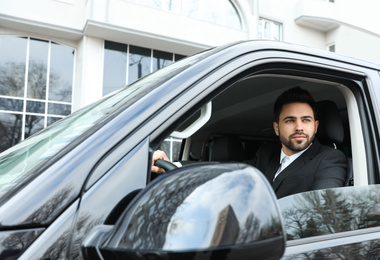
(299, 125)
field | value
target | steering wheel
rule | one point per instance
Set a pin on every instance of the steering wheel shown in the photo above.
(167, 166)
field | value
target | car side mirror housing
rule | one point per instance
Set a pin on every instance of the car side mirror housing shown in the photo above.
(208, 211)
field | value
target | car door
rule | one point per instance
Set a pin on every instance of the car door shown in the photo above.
(188, 99)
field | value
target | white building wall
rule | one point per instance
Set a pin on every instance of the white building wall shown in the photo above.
(88, 84)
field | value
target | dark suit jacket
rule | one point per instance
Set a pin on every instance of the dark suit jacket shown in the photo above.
(319, 167)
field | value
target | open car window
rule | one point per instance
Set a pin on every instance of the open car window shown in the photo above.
(244, 112)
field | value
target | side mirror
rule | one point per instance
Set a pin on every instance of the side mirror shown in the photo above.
(207, 211)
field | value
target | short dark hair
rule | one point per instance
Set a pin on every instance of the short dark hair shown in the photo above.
(293, 95)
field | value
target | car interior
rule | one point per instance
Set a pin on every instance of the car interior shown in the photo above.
(239, 120)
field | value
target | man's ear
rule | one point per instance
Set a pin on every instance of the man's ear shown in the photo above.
(275, 127)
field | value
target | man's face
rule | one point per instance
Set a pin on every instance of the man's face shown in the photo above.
(296, 127)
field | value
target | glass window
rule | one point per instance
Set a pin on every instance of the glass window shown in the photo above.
(59, 109)
(46, 69)
(124, 64)
(37, 69)
(11, 104)
(10, 129)
(33, 124)
(330, 211)
(172, 147)
(161, 59)
(177, 57)
(331, 47)
(139, 63)
(115, 66)
(35, 107)
(12, 66)
(270, 30)
(61, 73)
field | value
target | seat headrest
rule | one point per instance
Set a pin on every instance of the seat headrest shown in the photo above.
(227, 148)
(330, 128)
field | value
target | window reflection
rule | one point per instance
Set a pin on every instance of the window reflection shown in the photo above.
(52, 120)
(184, 204)
(33, 124)
(11, 104)
(331, 211)
(59, 109)
(37, 70)
(139, 63)
(61, 73)
(35, 107)
(161, 59)
(10, 130)
(115, 67)
(270, 30)
(22, 56)
(12, 66)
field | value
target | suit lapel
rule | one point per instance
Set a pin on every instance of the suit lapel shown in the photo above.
(295, 166)
(272, 168)
(273, 165)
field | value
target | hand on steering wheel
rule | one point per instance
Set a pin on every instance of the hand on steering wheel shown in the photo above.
(166, 165)
(161, 163)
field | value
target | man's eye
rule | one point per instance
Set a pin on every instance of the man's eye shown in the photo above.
(289, 121)
(307, 120)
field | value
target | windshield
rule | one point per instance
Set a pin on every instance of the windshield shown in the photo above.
(18, 162)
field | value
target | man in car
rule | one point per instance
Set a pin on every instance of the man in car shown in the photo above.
(300, 163)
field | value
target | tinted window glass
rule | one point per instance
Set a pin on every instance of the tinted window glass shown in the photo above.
(33, 124)
(161, 59)
(331, 211)
(11, 104)
(59, 109)
(10, 129)
(37, 70)
(115, 67)
(61, 73)
(20, 56)
(139, 63)
(12, 66)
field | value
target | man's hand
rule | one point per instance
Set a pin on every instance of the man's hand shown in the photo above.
(158, 155)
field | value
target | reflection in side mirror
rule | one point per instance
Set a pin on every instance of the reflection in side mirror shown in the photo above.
(198, 212)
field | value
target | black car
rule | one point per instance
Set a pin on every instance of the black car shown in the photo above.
(83, 189)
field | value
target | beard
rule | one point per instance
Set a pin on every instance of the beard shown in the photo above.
(296, 145)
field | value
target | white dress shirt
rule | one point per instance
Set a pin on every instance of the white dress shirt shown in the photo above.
(286, 160)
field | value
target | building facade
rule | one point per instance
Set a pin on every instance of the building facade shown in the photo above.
(57, 56)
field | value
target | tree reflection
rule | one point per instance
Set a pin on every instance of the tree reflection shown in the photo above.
(15, 243)
(37, 73)
(332, 211)
(10, 131)
(12, 81)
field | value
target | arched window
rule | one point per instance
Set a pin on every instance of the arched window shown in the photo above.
(36, 79)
